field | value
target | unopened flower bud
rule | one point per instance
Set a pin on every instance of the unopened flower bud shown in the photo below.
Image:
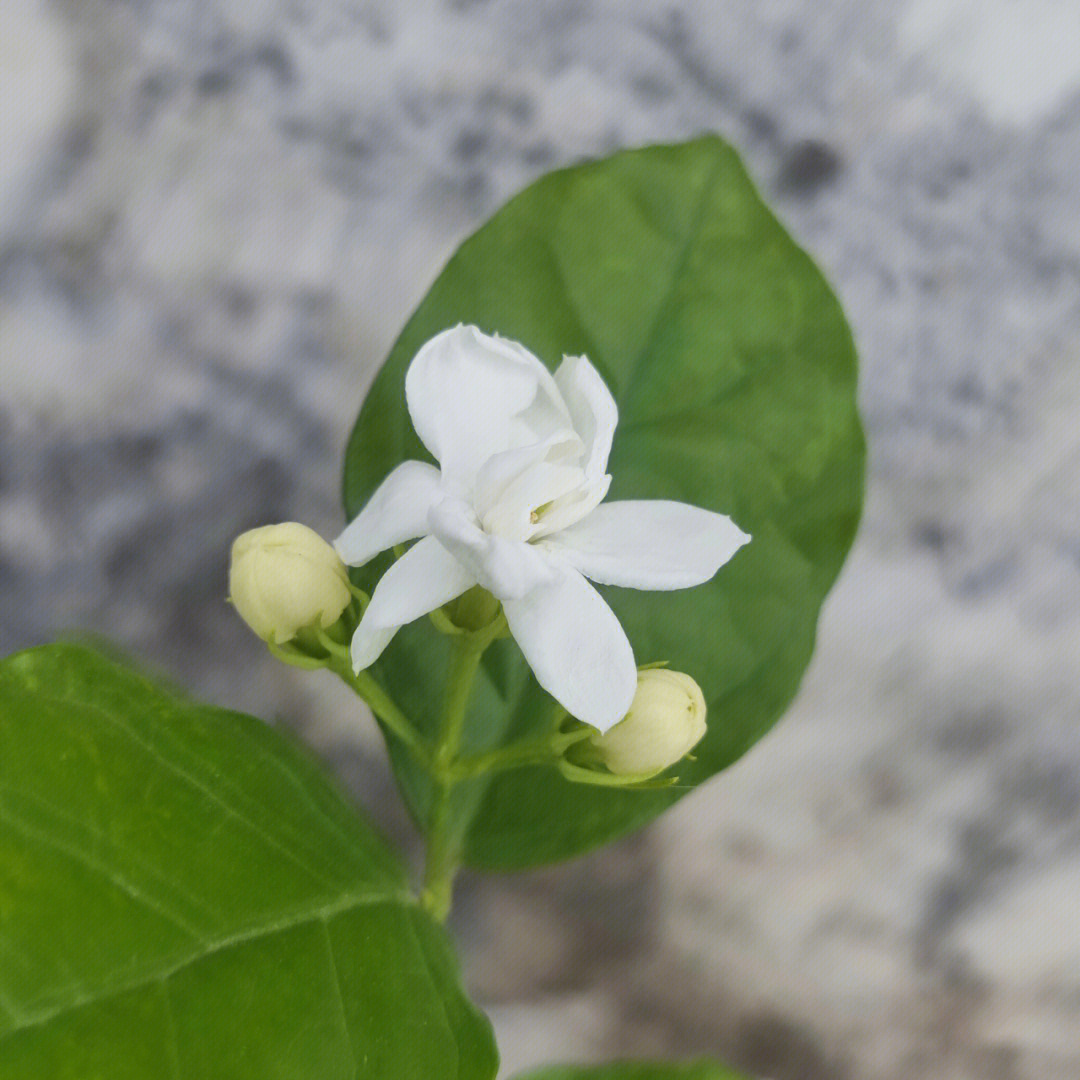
(665, 722)
(284, 578)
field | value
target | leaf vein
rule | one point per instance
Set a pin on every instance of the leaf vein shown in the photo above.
(97, 834)
(150, 903)
(681, 260)
(189, 778)
(173, 1044)
(429, 975)
(340, 998)
(341, 906)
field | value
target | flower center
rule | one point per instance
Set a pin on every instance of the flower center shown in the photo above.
(539, 512)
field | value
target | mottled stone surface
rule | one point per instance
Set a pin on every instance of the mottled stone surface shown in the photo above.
(216, 214)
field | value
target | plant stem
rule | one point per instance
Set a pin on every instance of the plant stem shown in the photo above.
(383, 706)
(376, 697)
(441, 861)
(527, 752)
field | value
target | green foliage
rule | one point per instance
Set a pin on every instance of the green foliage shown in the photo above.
(183, 894)
(637, 1070)
(735, 376)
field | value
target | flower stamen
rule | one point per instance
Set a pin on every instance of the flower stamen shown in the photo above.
(539, 512)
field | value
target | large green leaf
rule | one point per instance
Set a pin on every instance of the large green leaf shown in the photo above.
(183, 894)
(637, 1070)
(734, 372)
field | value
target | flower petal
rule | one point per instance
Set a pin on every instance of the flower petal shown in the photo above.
(507, 568)
(592, 410)
(562, 512)
(576, 647)
(396, 512)
(504, 476)
(424, 578)
(471, 395)
(649, 544)
(368, 643)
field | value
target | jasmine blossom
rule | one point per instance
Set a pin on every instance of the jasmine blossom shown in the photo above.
(516, 506)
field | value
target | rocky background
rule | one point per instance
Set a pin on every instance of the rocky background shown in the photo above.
(215, 215)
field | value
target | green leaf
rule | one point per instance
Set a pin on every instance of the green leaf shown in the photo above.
(183, 894)
(637, 1070)
(735, 375)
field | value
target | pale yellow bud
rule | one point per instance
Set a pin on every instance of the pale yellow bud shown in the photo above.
(284, 578)
(665, 722)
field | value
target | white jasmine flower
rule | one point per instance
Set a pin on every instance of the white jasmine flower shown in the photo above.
(516, 506)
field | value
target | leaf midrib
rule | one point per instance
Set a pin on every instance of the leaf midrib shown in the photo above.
(341, 906)
(203, 946)
(679, 266)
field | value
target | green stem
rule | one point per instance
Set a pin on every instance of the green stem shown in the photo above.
(441, 861)
(510, 757)
(287, 654)
(529, 752)
(383, 706)
(377, 699)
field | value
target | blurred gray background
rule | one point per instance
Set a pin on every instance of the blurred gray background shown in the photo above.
(215, 215)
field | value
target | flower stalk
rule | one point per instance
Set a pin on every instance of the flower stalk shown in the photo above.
(545, 751)
(442, 856)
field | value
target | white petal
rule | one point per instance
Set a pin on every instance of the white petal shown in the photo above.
(571, 507)
(503, 470)
(576, 648)
(548, 413)
(649, 544)
(368, 643)
(470, 396)
(508, 569)
(523, 504)
(396, 512)
(424, 578)
(592, 409)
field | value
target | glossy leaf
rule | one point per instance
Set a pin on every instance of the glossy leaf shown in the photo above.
(735, 376)
(637, 1070)
(183, 894)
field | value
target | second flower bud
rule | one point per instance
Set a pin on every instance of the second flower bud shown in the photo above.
(665, 722)
(285, 578)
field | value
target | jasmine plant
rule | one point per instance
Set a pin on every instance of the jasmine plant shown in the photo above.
(560, 631)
